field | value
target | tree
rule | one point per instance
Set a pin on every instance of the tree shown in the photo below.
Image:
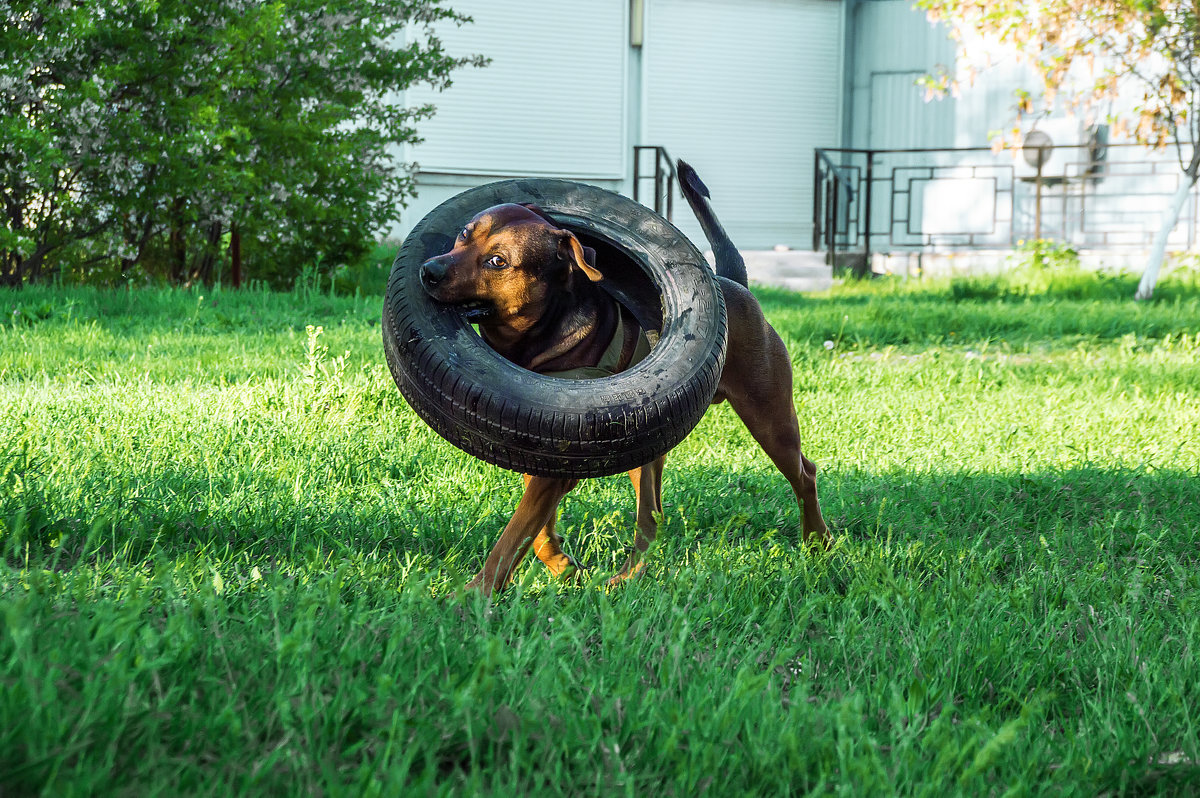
(1103, 50)
(42, 166)
(141, 137)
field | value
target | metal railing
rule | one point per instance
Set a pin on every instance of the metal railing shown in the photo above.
(663, 175)
(1109, 197)
(835, 189)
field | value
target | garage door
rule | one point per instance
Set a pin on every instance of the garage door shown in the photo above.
(552, 102)
(744, 91)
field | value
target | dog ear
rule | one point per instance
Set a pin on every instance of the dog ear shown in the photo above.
(589, 254)
(570, 250)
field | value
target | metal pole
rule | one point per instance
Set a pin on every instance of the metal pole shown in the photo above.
(1037, 208)
(637, 172)
(867, 209)
(657, 183)
(816, 200)
(833, 211)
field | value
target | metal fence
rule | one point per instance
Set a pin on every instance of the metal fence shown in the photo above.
(1089, 196)
(660, 169)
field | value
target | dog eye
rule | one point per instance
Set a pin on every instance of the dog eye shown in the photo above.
(496, 262)
(462, 234)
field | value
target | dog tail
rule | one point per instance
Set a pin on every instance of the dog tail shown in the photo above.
(729, 261)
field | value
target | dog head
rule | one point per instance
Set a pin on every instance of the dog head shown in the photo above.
(505, 264)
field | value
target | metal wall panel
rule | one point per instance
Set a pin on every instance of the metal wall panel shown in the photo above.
(551, 103)
(434, 189)
(894, 44)
(744, 91)
(899, 119)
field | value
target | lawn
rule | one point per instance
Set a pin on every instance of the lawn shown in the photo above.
(231, 558)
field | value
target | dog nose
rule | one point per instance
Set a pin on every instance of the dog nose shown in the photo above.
(433, 271)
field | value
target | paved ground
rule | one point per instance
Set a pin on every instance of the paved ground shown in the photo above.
(800, 270)
(795, 270)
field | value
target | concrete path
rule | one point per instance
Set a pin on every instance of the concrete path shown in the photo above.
(792, 269)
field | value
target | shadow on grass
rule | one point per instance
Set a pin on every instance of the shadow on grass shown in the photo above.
(1021, 305)
(1076, 512)
(159, 311)
(917, 669)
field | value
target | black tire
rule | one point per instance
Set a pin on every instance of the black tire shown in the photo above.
(548, 426)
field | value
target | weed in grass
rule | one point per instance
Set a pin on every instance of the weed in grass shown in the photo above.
(231, 562)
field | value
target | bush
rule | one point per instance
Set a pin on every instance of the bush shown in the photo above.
(139, 141)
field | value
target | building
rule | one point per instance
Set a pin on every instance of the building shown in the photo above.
(748, 91)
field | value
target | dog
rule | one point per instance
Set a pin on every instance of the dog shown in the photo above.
(531, 289)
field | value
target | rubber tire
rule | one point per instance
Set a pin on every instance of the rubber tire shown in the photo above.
(548, 426)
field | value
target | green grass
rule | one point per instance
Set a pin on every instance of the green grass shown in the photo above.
(230, 558)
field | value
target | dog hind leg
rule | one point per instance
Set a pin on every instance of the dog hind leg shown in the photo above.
(758, 385)
(775, 426)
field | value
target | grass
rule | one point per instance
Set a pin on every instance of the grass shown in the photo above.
(231, 555)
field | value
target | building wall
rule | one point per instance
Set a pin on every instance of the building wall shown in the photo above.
(548, 104)
(744, 91)
(552, 102)
(892, 46)
(947, 200)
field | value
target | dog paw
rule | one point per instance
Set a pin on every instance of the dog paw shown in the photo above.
(818, 541)
(573, 574)
(483, 584)
(630, 572)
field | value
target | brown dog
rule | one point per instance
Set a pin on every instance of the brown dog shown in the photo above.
(531, 288)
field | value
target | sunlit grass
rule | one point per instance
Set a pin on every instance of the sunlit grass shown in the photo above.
(230, 562)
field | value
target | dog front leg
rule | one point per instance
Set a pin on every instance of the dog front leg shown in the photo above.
(548, 546)
(534, 512)
(647, 487)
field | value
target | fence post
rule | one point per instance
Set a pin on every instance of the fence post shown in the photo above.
(1037, 205)
(816, 236)
(637, 170)
(833, 212)
(658, 180)
(867, 209)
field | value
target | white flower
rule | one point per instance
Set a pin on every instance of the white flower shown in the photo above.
(829, 344)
